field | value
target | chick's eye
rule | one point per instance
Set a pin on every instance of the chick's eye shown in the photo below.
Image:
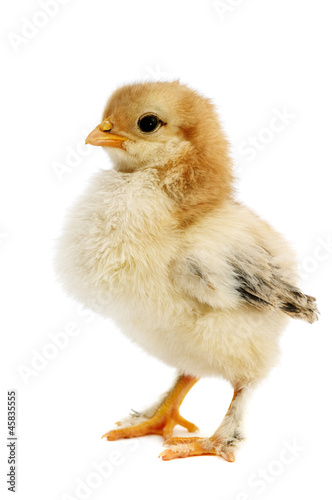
(148, 123)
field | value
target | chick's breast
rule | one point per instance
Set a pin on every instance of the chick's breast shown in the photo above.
(116, 247)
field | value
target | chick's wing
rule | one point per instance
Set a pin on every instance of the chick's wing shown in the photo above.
(251, 275)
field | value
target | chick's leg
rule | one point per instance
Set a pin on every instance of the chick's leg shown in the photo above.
(222, 443)
(162, 419)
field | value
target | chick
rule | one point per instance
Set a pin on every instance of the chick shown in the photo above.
(160, 245)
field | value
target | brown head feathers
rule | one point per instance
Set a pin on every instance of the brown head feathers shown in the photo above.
(198, 176)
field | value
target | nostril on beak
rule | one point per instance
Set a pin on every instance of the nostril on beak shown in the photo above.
(106, 125)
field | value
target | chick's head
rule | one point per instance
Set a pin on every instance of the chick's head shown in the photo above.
(149, 124)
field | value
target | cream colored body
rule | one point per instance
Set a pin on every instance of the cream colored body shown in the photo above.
(122, 254)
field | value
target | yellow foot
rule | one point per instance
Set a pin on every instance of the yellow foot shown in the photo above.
(158, 424)
(164, 419)
(197, 446)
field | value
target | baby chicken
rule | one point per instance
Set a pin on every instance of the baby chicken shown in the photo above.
(160, 245)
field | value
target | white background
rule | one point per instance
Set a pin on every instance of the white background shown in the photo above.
(253, 59)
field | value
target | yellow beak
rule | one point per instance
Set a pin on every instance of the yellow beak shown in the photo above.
(101, 136)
